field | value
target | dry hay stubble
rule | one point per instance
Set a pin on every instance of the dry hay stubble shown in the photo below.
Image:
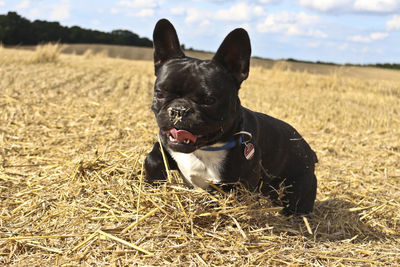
(73, 136)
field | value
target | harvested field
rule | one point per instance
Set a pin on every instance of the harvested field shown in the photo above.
(74, 131)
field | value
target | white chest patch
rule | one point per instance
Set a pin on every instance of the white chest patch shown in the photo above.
(200, 167)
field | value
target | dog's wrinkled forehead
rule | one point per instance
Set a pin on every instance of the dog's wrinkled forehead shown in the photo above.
(188, 72)
(185, 66)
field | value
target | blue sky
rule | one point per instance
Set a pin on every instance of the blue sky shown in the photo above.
(341, 31)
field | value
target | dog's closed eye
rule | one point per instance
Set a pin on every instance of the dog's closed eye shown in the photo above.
(159, 93)
(208, 100)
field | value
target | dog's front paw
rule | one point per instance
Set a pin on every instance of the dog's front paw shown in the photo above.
(154, 165)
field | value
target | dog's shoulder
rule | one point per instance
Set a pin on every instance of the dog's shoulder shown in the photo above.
(275, 135)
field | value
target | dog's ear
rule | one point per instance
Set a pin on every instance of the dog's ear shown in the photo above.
(234, 54)
(166, 43)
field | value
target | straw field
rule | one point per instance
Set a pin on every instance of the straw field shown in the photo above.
(74, 131)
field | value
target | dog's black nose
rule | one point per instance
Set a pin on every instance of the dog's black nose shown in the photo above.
(178, 111)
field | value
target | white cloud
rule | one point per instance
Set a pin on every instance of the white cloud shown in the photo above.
(266, 2)
(259, 10)
(114, 11)
(199, 21)
(360, 39)
(24, 4)
(394, 23)
(242, 11)
(2, 3)
(352, 6)
(378, 35)
(375, 36)
(177, 11)
(326, 5)
(140, 4)
(60, 11)
(205, 23)
(378, 6)
(146, 12)
(291, 23)
(195, 15)
(141, 8)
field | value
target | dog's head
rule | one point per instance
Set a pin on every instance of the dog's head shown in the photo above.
(196, 102)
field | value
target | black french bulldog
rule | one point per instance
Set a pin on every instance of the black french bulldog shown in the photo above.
(211, 138)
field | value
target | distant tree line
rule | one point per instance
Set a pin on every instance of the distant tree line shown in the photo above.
(394, 66)
(17, 30)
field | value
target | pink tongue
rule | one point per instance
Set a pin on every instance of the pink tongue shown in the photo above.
(182, 135)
